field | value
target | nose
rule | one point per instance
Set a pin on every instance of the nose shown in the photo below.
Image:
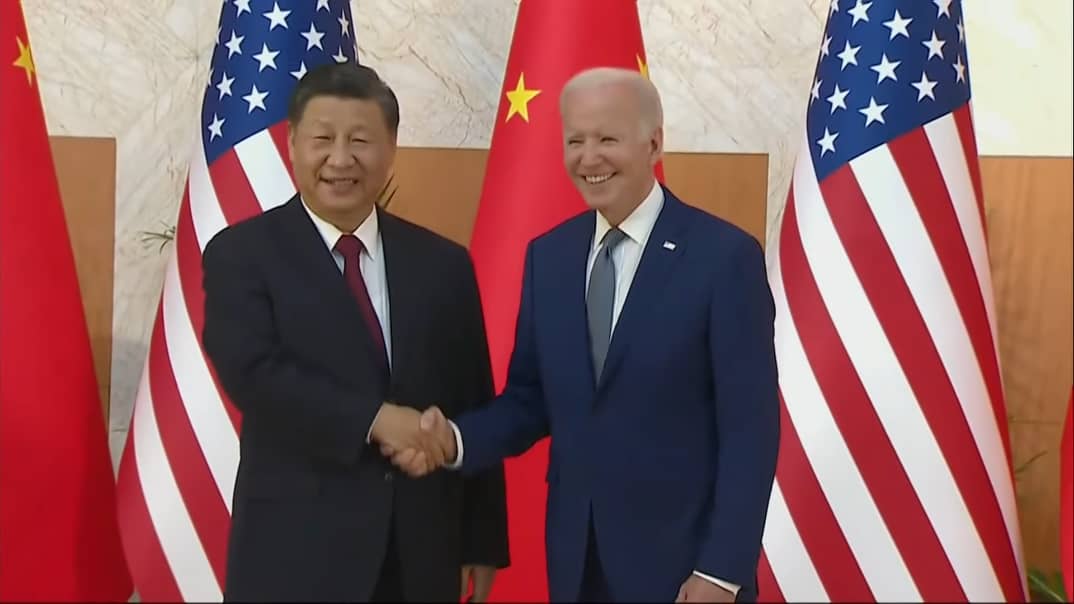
(589, 155)
(340, 155)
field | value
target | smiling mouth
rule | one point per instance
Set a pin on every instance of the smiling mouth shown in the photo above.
(597, 179)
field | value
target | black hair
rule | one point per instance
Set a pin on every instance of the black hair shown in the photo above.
(345, 80)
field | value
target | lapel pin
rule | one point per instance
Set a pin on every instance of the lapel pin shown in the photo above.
(669, 245)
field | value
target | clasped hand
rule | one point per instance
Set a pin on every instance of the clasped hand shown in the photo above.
(417, 443)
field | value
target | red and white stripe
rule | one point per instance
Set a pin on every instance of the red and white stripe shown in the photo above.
(894, 480)
(177, 471)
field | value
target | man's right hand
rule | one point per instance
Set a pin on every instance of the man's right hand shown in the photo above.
(404, 433)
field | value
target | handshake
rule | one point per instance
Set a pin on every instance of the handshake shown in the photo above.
(417, 443)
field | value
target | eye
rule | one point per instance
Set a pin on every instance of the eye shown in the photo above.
(608, 139)
(359, 140)
(322, 137)
(573, 142)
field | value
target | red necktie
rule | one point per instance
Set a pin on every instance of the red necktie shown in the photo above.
(351, 248)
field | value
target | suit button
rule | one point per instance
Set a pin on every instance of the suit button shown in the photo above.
(387, 477)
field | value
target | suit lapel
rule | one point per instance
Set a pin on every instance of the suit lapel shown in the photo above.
(405, 279)
(576, 326)
(657, 263)
(315, 259)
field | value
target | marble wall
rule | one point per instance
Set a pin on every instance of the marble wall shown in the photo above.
(734, 75)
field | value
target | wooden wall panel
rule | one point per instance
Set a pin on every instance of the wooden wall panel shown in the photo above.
(440, 188)
(86, 171)
(1028, 206)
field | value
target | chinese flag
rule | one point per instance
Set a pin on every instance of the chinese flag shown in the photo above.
(58, 535)
(1066, 502)
(527, 192)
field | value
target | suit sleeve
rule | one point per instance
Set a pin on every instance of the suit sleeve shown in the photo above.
(747, 417)
(484, 492)
(516, 419)
(317, 415)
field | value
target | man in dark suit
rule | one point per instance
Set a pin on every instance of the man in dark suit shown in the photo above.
(644, 347)
(317, 313)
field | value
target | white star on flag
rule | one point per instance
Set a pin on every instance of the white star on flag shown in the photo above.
(313, 38)
(827, 142)
(225, 85)
(838, 98)
(898, 26)
(873, 112)
(935, 46)
(215, 127)
(301, 71)
(885, 69)
(277, 17)
(960, 69)
(924, 87)
(234, 45)
(860, 12)
(266, 58)
(849, 55)
(256, 99)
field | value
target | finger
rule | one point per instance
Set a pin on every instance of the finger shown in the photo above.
(464, 582)
(431, 419)
(420, 466)
(387, 450)
(682, 594)
(404, 458)
(436, 453)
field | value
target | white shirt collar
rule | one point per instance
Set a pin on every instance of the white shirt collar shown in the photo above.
(639, 223)
(367, 232)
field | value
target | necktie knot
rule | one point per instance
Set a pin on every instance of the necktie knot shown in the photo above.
(350, 246)
(612, 239)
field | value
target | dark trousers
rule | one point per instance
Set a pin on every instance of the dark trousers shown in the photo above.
(389, 587)
(594, 583)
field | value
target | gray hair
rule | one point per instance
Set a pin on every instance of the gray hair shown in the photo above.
(652, 113)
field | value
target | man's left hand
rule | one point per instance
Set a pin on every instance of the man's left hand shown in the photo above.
(482, 577)
(696, 589)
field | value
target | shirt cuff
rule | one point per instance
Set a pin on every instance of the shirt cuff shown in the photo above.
(369, 434)
(455, 465)
(731, 587)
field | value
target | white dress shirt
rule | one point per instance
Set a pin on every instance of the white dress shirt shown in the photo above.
(371, 261)
(626, 256)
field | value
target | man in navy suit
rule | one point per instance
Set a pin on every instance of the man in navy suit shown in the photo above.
(644, 347)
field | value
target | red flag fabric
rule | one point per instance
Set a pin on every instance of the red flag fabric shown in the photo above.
(58, 534)
(526, 192)
(1066, 502)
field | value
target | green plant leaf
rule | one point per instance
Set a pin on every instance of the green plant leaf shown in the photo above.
(1048, 591)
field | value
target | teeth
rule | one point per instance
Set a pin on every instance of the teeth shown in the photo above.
(594, 180)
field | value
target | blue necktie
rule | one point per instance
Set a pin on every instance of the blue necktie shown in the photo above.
(601, 299)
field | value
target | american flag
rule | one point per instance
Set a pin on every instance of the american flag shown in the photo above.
(894, 479)
(177, 471)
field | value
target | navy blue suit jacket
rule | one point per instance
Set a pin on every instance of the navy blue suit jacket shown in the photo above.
(673, 452)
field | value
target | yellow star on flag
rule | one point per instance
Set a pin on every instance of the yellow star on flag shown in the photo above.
(25, 60)
(642, 67)
(520, 98)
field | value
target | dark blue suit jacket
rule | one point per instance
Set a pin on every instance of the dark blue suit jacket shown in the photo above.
(673, 452)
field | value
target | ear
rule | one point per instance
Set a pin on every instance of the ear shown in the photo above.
(656, 145)
(291, 142)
